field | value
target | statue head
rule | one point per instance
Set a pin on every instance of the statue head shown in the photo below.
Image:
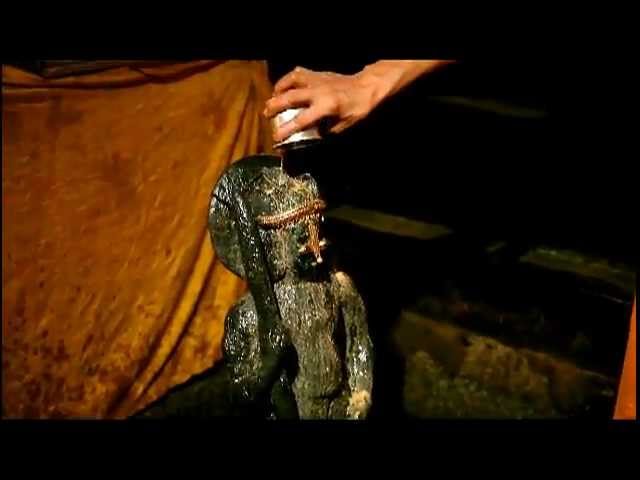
(285, 213)
(289, 215)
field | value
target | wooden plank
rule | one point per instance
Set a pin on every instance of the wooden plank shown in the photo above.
(582, 265)
(490, 105)
(385, 223)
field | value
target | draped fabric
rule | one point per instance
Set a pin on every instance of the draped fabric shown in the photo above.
(626, 403)
(112, 293)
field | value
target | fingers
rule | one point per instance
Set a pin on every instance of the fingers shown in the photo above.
(301, 88)
(290, 99)
(297, 78)
(340, 126)
(304, 120)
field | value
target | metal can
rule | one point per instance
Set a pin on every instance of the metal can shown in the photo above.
(309, 135)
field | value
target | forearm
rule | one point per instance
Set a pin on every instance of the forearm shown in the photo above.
(388, 77)
(346, 99)
(359, 354)
(360, 363)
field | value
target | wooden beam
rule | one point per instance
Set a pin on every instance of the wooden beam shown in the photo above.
(490, 105)
(385, 223)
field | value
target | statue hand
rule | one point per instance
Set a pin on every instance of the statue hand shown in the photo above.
(359, 404)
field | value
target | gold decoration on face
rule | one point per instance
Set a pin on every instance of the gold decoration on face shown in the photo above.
(310, 214)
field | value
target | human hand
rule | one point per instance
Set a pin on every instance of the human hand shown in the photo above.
(344, 99)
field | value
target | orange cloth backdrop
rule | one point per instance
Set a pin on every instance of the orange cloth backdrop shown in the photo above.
(111, 290)
(626, 402)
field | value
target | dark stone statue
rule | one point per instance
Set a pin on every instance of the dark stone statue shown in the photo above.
(297, 344)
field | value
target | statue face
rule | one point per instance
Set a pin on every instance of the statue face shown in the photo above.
(289, 218)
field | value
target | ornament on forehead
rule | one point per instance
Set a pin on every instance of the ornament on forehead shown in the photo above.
(310, 213)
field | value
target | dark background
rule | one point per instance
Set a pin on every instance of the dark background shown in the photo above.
(562, 179)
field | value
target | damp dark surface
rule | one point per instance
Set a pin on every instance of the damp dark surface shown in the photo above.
(464, 329)
(462, 325)
(455, 282)
(531, 151)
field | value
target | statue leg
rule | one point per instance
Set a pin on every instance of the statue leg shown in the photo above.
(311, 408)
(338, 408)
(283, 401)
(241, 352)
(241, 348)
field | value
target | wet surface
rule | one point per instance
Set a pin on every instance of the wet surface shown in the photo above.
(281, 339)
(516, 304)
(462, 330)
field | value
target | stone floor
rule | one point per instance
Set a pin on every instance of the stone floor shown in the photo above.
(485, 329)
(452, 372)
(471, 328)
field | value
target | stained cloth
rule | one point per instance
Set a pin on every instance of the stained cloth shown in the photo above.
(112, 292)
(626, 402)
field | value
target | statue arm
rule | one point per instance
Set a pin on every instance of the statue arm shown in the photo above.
(359, 346)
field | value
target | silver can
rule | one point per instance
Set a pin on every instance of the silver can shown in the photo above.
(310, 134)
